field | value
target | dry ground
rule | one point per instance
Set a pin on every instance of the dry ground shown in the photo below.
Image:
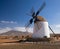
(39, 45)
(30, 46)
(7, 40)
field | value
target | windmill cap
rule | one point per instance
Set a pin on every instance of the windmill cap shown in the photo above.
(41, 18)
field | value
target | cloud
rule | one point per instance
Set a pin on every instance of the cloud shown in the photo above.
(12, 22)
(23, 29)
(56, 28)
(19, 29)
(3, 30)
(6, 29)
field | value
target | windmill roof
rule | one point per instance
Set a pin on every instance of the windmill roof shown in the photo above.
(41, 18)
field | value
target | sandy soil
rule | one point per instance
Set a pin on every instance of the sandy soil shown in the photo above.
(30, 46)
(7, 40)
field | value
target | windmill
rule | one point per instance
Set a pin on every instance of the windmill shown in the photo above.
(41, 28)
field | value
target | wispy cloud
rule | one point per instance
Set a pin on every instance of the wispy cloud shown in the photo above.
(56, 28)
(3, 30)
(6, 29)
(8, 22)
(23, 29)
(19, 29)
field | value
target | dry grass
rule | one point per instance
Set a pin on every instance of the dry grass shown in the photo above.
(7, 40)
(31, 46)
(26, 45)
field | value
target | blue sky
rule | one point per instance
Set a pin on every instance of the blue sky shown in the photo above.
(13, 13)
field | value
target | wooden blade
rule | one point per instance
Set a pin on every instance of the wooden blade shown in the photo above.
(32, 12)
(40, 9)
(51, 30)
(29, 23)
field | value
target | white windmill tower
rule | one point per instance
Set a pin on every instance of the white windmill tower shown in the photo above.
(41, 28)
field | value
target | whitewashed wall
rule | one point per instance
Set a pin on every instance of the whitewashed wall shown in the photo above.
(41, 29)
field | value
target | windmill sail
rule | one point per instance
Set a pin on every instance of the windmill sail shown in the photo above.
(40, 9)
